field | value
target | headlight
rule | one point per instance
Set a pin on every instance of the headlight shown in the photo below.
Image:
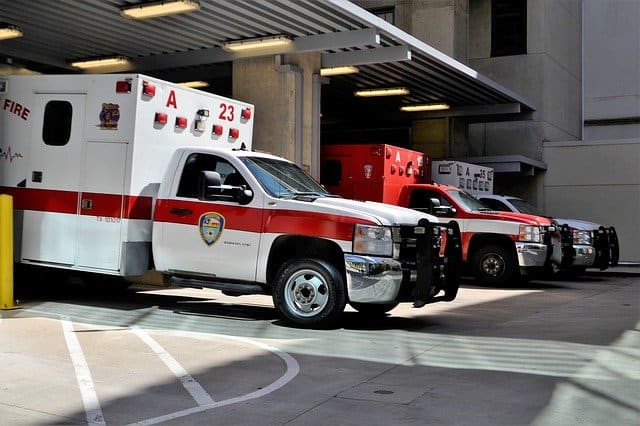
(372, 240)
(530, 233)
(582, 237)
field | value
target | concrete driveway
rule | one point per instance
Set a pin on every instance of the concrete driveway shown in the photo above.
(546, 352)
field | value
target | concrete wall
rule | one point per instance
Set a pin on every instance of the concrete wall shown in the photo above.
(597, 181)
(612, 66)
(549, 75)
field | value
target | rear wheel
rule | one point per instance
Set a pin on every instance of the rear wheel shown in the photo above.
(309, 293)
(494, 264)
(373, 309)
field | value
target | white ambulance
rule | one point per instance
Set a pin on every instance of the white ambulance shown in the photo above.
(114, 174)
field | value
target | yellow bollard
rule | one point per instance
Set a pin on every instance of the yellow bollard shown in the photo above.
(6, 253)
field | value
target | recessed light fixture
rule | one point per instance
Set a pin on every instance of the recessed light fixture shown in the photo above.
(257, 43)
(8, 31)
(424, 107)
(159, 8)
(100, 62)
(196, 84)
(326, 72)
(391, 91)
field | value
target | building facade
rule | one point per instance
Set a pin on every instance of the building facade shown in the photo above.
(578, 61)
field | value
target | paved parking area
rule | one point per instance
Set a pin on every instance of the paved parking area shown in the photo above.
(545, 352)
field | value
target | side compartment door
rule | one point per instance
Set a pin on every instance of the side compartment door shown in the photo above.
(50, 219)
(99, 242)
(215, 239)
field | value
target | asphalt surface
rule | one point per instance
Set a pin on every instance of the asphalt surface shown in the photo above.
(561, 352)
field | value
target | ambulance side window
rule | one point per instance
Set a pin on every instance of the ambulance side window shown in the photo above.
(56, 126)
(197, 163)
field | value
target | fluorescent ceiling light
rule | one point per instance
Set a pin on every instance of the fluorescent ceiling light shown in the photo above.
(9, 31)
(100, 62)
(257, 43)
(194, 84)
(424, 107)
(159, 8)
(326, 72)
(391, 91)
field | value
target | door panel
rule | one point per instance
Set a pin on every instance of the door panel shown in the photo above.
(49, 231)
(101, 203)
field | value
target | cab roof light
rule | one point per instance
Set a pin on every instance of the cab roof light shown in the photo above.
(234, 133)
(203, 112)
(161, 118)
(155, 9)
(181, 122)
(245, 114)
(123, 86)
(217, 130)
(148, 89)
(199, 125)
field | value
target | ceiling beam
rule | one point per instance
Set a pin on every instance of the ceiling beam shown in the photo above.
(368, 56)
(319, 42)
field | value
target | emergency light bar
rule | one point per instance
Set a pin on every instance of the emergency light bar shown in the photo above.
(159, 8)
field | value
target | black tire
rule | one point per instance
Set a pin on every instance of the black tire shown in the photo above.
(494, 264)
(309, 293)
(373, 309)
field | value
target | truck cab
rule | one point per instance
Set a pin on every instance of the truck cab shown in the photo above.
(497, 246)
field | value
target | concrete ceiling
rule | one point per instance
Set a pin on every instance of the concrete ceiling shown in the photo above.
(58, 31)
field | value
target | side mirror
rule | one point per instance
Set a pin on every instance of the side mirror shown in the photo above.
(242, 195)
(208, 180)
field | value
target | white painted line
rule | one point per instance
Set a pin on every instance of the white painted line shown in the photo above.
(293, 368)
(83, 375)
(197, 392)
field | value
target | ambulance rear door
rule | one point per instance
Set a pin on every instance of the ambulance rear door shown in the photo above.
(50, 218)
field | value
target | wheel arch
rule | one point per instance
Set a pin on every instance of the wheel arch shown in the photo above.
(481, 240)
(287, 247)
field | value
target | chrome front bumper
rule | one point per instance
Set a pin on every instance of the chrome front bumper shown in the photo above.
(531, 254)
(585, 255)
(372, 279)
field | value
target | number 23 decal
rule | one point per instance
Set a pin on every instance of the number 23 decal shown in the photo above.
(226, 112)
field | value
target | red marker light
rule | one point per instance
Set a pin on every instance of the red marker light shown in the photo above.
(393, 169)
(245, 114)
(234, 133)
(387, 153)
(181, 122)
(376, 151)
(123, 86)
(161, 118)
(148, 89)
(217, 130)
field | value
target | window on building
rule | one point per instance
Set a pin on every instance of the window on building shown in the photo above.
(508, 27)
(56, 128)
(386, 13)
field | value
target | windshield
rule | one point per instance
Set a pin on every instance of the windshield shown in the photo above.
(283, 179)
(524, 207)
(468, 201)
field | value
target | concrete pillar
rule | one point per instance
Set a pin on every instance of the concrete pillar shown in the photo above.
(443, 24)
(285, 90)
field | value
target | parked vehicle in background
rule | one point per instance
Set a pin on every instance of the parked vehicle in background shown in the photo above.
(595, 245)
(497, 247)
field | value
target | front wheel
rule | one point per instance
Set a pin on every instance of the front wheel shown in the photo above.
(494, 264)
(309, 293)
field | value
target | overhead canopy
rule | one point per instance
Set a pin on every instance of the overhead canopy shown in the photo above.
(58, 31)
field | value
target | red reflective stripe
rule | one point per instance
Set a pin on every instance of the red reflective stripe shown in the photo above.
(54, 201)
(252, 220)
